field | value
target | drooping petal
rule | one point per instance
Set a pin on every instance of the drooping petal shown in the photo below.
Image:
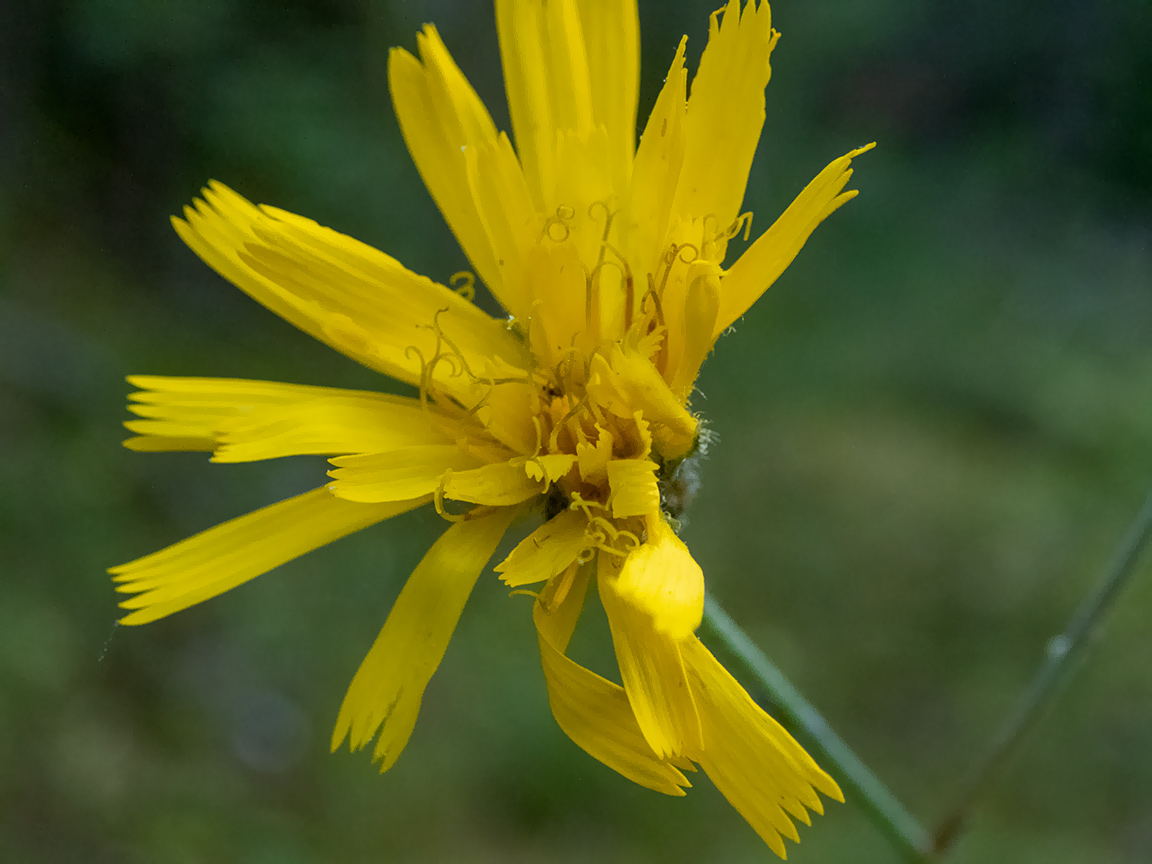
(592, 711)
(652, 671)
(547, 551)
(753, 760)
(219, 559)
(725, 113)
(560, 605)
(663, 580)
(398, 474)
(386, 691)
(349, 295)
(248, 420)
(774, 250)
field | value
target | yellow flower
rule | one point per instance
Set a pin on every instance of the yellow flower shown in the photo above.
(608, 258)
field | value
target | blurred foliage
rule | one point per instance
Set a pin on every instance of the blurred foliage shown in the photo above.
(932, 430)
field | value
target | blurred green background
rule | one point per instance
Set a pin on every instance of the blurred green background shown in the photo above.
(933, 430)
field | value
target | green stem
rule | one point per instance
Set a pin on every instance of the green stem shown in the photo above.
(815, 734)
(1063, 652)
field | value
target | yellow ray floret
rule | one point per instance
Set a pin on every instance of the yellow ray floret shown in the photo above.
(592, 711)
(725, 112)
(500, 484)
(547, 551)
(635, 491)
(242, 421)
(349, 295)
(652, 671)
(219, 559)
(753, 761)
(398, 474)
(776, 248)
(385, 693)
(449, 133)
(662, 580)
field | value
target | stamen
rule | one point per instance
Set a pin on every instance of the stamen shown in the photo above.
(457, 354)
(744, 220)
(651, 292)
(609, 215)
(629, 298)
(679, 252)
(438, 500)
(591, 304)
(472, 412)
(628, 535)
(563, 215)
(539, 435)
(579, 502)
(464, 284)
(554, 438)
(408, 352)
(707, 240)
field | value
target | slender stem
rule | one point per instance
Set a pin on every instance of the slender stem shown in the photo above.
(813, 730)
(1060, 659)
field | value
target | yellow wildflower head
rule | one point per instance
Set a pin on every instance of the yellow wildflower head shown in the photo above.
(608, 256)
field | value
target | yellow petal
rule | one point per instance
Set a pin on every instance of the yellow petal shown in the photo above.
(753, 760)
(697, 327)
(546, 76)
(592, 711)
(187, 413)
(626, 382)
(559, 314)
(349, 295)
(507, 215)
(547, 551)
(592, 458)
(340, 424)
(247, 420)
(443, 120)
(612, 45)
(652, 671)
(584, 200)
(725, 113)
(398, 474)
(500, 484)
(385, 694)
(550, 467)
(219, 559)
(656, 174)
(663, 580)
(560, 604)
(634, 489)
(774, 250)
(506, 413)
